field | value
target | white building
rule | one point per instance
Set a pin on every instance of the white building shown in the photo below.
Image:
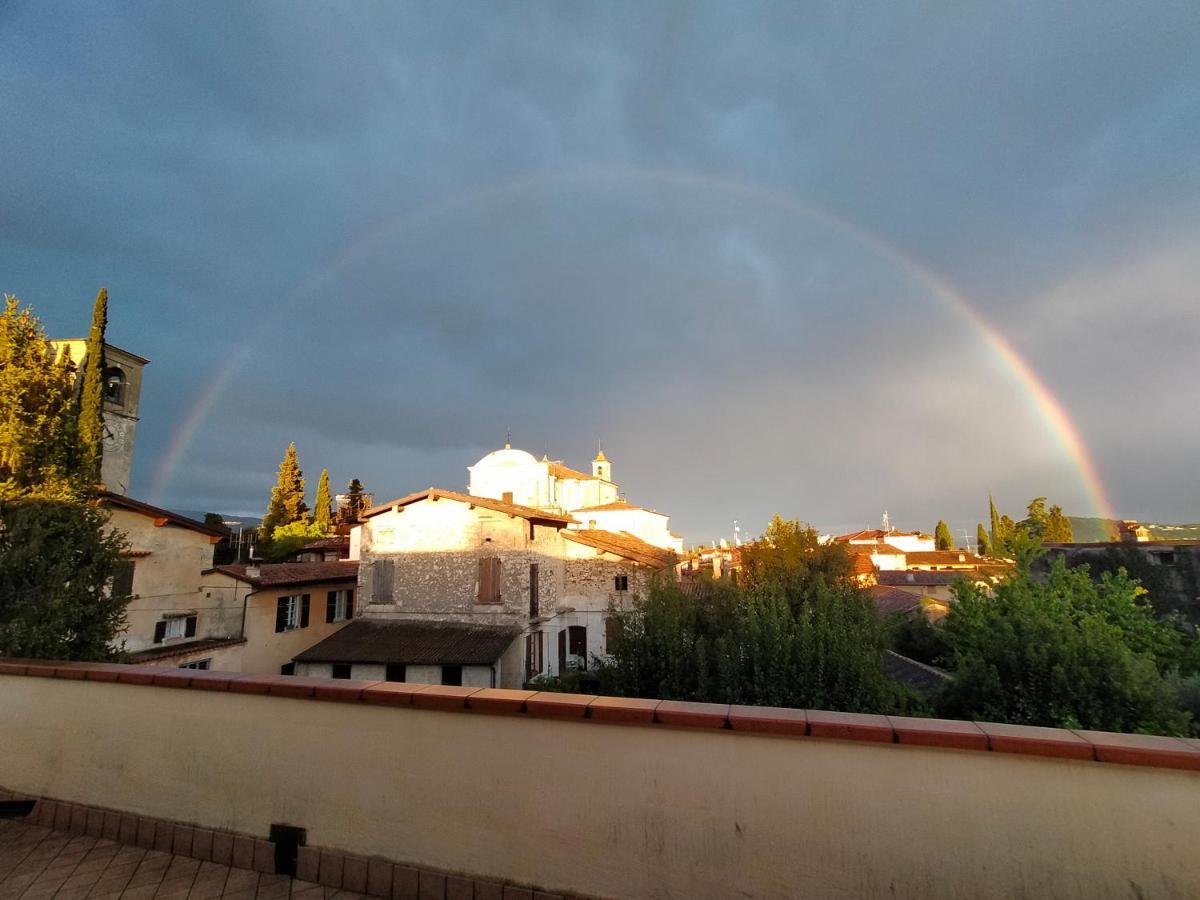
(515, 476)
(484, 590)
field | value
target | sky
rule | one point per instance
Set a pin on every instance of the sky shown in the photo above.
(718, 239)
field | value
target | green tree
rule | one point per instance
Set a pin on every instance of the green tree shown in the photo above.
(287, 497)
(91, 394)
(58, 567)
(942, 537)
(793, 631)
(998, 535)
(287, 539)
(215, 520)
(39, 447)
(1034, 523)
(982, 541)
(323, 503)
(1058, 527)
(1065, 651)
(355, 503)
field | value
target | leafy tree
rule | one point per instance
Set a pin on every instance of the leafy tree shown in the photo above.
(355, 503)
(91, 394)
(982, 541)
(1034, 523)
(215, 520)
(1058, 527)
(287, 497)
(943, 539)
(58, 567)
(795, 631)
(323, 503)
(39, 447)
(1066, 652)
(998, 535)
(287, 539)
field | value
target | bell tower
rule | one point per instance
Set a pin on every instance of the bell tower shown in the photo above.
(601, 467)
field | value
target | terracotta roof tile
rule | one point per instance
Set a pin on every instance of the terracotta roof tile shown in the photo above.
(107, 498)
(287, 574)
(525, 512)
(622, 544)
(413, 643)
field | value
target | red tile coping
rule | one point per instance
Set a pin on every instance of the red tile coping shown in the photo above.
(692, 715)
(1036, 740)
(850, 726)
(1143, 750)
(938, 733)
(623, 709)
(769, 720)
(1124, 749)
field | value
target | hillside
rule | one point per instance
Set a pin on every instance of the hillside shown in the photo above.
(1085, 528)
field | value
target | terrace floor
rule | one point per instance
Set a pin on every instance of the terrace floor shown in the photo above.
(37, 863)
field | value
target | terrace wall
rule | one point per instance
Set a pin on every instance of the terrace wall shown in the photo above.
(616, 798)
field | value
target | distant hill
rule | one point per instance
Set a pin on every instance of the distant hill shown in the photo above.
(1086, 528)
(198, 515)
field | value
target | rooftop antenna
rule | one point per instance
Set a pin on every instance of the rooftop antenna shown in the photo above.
(508, 439)
(887, 523)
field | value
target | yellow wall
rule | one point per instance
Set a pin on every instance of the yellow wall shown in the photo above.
(168, 580)
(611, 810)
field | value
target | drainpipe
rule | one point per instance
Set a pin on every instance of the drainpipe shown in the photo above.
(245, 603)
(493, 674)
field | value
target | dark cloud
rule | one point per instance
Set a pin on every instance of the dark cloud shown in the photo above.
(414, 228)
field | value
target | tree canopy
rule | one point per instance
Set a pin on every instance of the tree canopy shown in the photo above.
(983, 544)
(942, 536)
(794, 631)
(322, 506)
(287, 497)
(91, 394)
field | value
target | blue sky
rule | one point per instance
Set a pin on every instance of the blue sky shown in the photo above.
(401, 230)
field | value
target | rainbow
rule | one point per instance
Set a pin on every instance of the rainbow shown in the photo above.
(1050, 410)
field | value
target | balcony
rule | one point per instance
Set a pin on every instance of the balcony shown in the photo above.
(516, 794)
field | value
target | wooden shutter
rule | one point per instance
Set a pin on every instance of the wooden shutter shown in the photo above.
(189, 627)
(281, 611)
(562, 651)
(123, 579)
(485, 580)
(382, 583)
(349, 604)
(534, 605)
(330, 606)
(160, 632)
(495, 580)
(304, 602)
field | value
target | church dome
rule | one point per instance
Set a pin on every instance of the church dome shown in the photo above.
(507, 457)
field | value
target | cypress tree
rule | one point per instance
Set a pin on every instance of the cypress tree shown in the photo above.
(355, 502)
(983, 542)
(322, 503)
(287, 497)
(91, 396)
(997, 530)
(942, 537)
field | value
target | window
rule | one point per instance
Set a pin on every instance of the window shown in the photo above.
(382, 581)
(534, 606)
(175, 628)
(489, 580)
(533, 655)
(287, 669)
(114, 386)
(1166, 558)
(203, 664)
(340, 670)
(291, 613)
(395, 672)
(339, 605)
(452, 675)
(621, 582)
(123, 579)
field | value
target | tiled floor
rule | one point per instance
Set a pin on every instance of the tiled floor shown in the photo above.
(36, 863)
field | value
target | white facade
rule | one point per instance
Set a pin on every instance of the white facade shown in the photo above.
(515, 476)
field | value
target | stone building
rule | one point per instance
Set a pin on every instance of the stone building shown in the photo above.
(476, 590)
(122, 397)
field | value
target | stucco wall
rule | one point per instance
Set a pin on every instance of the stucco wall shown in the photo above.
(612, 810)
(168, 580)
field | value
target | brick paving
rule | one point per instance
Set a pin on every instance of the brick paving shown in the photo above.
(37, 863)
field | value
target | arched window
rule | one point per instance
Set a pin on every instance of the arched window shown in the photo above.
(114, 386)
